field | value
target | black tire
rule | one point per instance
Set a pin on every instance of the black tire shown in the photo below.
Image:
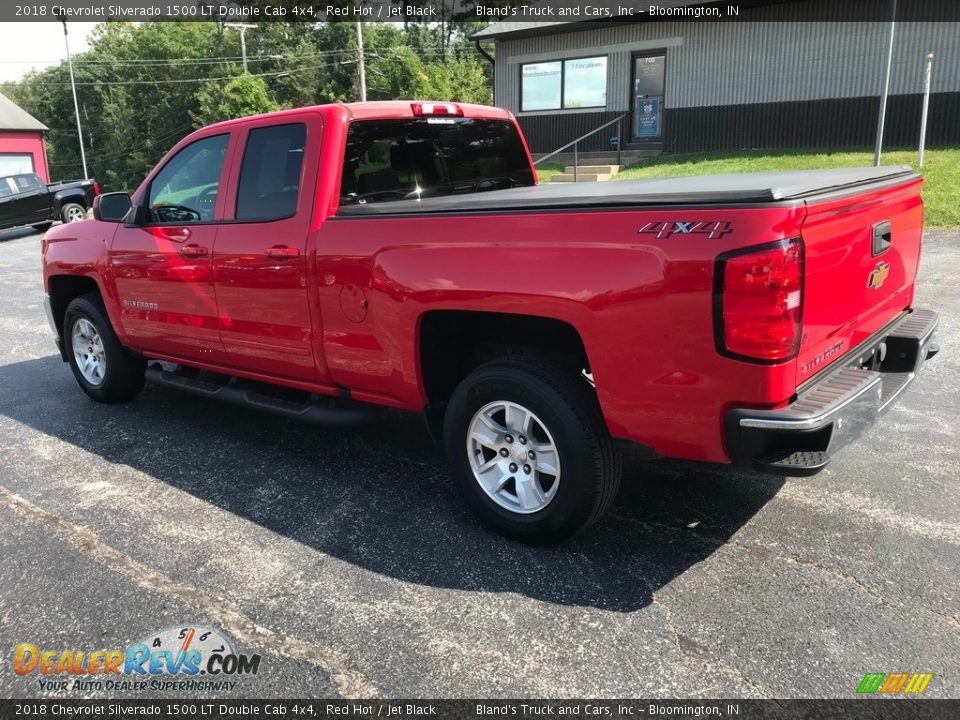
(567, 407)
(70, 208)
(123, 377)
(42, 227)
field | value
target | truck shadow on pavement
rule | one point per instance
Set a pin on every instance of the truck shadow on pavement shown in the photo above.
(379, 496)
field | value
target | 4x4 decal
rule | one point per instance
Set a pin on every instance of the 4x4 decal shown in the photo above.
(713, 229)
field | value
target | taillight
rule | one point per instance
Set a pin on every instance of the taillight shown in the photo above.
(758, 301)
(96, 189)
(436, 109)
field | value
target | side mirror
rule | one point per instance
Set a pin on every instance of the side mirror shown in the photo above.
(111, 207)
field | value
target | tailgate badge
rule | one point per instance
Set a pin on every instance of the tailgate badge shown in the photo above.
(713, 229)
(878, 276)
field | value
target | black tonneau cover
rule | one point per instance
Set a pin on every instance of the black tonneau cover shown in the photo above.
(765, 187)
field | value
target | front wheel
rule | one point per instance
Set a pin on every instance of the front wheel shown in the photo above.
(529, 449)
(104, 369)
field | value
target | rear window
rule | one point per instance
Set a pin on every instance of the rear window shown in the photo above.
(388, 160)
(270, 175)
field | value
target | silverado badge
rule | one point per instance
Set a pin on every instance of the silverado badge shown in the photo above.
(878, 276)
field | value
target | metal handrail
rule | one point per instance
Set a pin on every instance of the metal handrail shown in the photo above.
(574, 143)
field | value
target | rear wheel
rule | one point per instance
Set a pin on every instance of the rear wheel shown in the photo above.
(529, 449)
(73, 212)
(104, 369)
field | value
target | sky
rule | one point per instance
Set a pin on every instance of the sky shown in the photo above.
(28, 45)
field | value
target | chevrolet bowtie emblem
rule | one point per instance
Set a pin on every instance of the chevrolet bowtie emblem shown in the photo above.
(878, 276)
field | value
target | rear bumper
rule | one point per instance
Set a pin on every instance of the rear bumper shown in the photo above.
(799, 439)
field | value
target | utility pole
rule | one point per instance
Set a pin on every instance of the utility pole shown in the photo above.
(926, 107)
(242, 27)
(76, 105)
(360, 65)
(886, 87)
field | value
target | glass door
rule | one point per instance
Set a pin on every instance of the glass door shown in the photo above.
(648, 83)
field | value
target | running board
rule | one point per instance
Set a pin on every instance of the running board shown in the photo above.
(792, 463)
(316, 411)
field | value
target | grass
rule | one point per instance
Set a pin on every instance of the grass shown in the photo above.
(941, 168)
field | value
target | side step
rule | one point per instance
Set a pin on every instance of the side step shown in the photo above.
(792, 463)
(317, 410)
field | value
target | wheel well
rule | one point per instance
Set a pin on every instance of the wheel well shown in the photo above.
(70, 200)
(63, 289)
(452, 343)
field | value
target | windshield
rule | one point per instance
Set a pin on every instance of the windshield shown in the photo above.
(427, 157)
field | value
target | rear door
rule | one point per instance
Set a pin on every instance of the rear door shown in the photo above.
(162, 269)
(861, 256)
(260, 261)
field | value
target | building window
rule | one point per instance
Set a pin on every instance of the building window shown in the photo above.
(585, 82)
(564, 84)
(15, 163)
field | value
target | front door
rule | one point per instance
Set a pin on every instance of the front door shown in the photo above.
(260, 261)
(647, 107)
(162, 269)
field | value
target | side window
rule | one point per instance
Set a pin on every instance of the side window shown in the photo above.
(185, 190)
(6, 187)
(27, 183)
(270, 174)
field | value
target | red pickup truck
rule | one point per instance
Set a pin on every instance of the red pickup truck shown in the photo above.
(318, 261)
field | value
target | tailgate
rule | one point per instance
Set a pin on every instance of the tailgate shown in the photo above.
(861, 252)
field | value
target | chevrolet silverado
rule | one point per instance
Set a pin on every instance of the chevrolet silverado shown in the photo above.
(319, 261)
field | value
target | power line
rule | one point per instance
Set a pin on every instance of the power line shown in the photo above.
(170, 81)
(392, 52)
(182, 60)
(279, 57)
(123, 153)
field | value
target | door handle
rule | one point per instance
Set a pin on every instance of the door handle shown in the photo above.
(280, 251)
(882, 236)
(193, 250)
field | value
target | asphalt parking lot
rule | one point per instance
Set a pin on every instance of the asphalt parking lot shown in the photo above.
(346, 558)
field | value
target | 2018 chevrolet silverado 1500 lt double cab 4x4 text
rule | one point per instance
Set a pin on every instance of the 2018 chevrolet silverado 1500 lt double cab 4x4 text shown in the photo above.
(315, 260)
(26, 200)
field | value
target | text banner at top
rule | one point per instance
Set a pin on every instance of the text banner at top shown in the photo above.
(508, 11)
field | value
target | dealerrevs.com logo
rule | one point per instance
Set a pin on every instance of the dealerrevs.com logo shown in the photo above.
(179, 659)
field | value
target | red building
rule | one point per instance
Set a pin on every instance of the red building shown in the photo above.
(21, 141)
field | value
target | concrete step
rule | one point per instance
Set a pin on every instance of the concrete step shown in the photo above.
(595, 169)
(581, 177)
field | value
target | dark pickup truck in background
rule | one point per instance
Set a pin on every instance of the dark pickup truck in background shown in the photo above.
(26, 200)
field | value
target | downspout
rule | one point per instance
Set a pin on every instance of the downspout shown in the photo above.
(493, 64)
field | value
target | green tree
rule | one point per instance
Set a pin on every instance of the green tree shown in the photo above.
(459, 80)
(238, 97)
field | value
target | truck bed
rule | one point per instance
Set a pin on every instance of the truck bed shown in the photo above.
(760, 187)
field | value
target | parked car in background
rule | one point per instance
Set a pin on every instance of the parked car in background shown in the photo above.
(26, 200)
